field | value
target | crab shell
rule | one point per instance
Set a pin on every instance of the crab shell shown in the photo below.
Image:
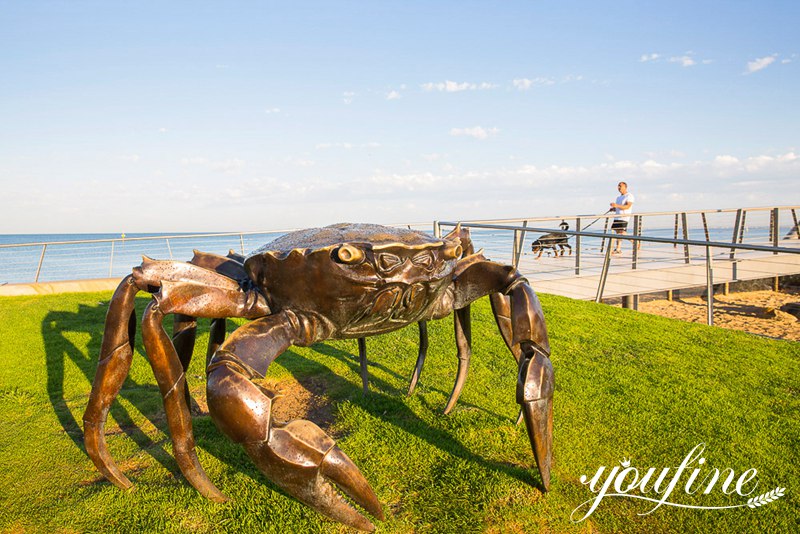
(358, 279)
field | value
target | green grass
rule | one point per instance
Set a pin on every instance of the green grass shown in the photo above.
(628, 385)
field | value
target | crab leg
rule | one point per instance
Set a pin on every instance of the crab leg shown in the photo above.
(535, 381)
(463, 331)
(501, 308)
(521, 320)
(184, 289)
(468, 249)
(171, 380)
(297, 456)
(184, 333)
(362, 358)
(216, 335)
(423, 351)
(116, 354)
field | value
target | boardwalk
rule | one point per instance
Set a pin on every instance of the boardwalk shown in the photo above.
(658, 268)
(673, 253)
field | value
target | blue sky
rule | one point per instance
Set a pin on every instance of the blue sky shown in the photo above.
(199, 116)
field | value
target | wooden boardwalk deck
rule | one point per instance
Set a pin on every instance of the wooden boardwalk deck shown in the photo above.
(658, 268)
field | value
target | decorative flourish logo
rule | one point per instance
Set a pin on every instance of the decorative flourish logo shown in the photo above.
(658, 487)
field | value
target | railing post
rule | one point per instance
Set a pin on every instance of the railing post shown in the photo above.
(601, 284)
(241, 243)
(675, 234)
(742, 226)
(709, 286)
(796, 226)
(169, 248)
(41, 259)
(776, 228)
(519, 242)
(603, 241)
(437, 230)
(578, 246)
(111, 260)
(705, 225)
(736, 225)
(635, 244)
(685, 236)
(514, 257)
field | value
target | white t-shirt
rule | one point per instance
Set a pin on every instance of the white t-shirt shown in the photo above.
(624, 199)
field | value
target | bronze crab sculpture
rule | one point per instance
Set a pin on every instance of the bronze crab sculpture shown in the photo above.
(338, 282)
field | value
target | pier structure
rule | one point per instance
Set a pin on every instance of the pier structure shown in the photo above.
(662, 251)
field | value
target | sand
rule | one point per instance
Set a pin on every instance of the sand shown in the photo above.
(757, 312)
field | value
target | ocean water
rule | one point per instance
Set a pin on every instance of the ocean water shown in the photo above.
(63, 260)
(106, 259)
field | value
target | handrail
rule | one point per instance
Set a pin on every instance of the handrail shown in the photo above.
(171, 236)
(141, 238)
(689, 242)
(636, 239)
(648, 213)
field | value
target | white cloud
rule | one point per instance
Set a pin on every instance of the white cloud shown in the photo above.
(132, 158)
(270, 111)
(760, 63)
(476, 131)
(162, 130)
(523, 84)
(455, 87)
(685, 60)
(347, 97)
(393, 95)
(394, 195)
(726, 160)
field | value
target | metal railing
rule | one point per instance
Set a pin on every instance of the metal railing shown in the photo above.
(83, 259)
(655, 260)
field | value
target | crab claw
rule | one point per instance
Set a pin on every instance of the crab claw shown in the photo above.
(297, 456)
(535, 385)
(306, 463)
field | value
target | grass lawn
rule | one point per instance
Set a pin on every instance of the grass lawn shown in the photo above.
(629, 385)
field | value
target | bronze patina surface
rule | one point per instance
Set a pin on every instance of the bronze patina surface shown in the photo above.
(341, 281)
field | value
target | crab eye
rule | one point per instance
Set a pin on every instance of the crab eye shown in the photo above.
(388, 261)
(349, 254)
(423, 259)
(453, 251)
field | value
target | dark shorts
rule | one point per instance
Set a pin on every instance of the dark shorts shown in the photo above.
(619, 225)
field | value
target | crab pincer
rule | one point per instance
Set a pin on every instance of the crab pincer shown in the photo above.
(297, 456)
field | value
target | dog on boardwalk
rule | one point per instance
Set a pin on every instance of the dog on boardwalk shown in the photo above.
(555, 241)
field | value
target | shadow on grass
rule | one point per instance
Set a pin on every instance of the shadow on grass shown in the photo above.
(59, 350)
(389, 408)
(392, 408)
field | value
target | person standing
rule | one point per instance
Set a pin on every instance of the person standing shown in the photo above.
(622, 207)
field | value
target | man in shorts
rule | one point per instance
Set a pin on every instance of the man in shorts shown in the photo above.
(622, 207)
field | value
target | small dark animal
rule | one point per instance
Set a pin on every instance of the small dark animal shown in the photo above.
(555, 241)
